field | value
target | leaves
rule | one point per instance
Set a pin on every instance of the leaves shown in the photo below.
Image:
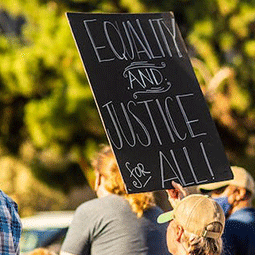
(45, 99)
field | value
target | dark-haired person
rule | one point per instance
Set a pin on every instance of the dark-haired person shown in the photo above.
(235, 197)
(115, 223)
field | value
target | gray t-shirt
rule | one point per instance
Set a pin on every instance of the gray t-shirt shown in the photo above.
(107, 226)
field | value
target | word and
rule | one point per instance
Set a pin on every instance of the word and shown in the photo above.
(146, 78)
(128, 40)
(138, 172)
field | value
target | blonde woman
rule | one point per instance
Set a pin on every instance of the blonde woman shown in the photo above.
(116, 223)
(195, 225)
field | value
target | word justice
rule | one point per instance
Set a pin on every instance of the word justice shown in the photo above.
(127, 41)
(135, 122)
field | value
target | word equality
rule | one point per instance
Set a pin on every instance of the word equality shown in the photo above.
(132, 117)
(129, 40)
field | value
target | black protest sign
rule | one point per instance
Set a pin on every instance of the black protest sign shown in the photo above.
(152, 108)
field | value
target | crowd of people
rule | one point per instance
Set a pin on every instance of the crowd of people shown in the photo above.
(218, 220)
(115, 222)
(235, 197)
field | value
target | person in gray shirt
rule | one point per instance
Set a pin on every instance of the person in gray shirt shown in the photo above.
(115, 223)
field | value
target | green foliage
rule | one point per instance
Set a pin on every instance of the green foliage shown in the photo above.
(45, 98)
(225, 37)
(44, 87)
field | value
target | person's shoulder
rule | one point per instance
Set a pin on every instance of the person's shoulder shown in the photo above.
(6, 201)
(112, 199)
(100, 207)
(100, 202)
(155, 210)
(87, 204)
(244, 215)
(87, 209)
(4, 197)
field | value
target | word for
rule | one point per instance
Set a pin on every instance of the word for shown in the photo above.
(138, 172)
(128, 40)
(134, 123)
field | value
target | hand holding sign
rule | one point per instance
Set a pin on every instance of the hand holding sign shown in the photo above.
(176, 194)
(153, 110)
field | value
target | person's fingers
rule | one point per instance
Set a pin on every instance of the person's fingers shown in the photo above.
(176, 185)
(179, 187)
(172, 193)
(173, 197)
(176, 194)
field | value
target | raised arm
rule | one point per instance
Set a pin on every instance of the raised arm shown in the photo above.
(176, 194)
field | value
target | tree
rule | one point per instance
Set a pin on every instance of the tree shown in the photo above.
(45, 97)
(222, 37)
(46, 103)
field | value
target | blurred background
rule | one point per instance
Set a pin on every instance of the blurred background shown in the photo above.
(49, 124)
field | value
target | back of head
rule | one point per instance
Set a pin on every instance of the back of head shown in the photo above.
(197, 245)
(242, 179)
(197, 212)
(202, 220)
(105, 164)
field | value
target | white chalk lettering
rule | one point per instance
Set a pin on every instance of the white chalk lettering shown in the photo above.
(146, 40)
(115, 127)
(138, 43)
(188, 122)
(132, 54)
(117, 124)
(157, 40)
(127, 40)
(145, 130)
(122, 54)
(173, 34)
(171, 122)
(138, 122)
(162, 159)
(133, 78)
(138, 172)
(207, 160)
(96, 48)
(178, 169)
(175, 172)
(147, 77)
(146, 103)
(191, 166)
